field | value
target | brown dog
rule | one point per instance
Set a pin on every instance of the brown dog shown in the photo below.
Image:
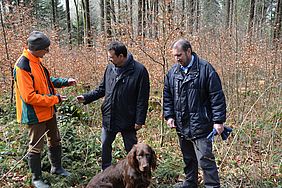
(132, 172)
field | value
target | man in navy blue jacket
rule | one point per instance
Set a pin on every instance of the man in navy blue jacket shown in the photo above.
(194, 104)
(126, 89)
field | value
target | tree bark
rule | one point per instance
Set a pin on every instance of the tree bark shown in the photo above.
(155, 18)
(7, 54)
(131, 16)
(228, 17)
(198, 13)
(108, 18)
(192, 16)
(54, 13)
(277, 23)
(68, 21)
(251, 18)
(139, 24)
(87, 25)
(113, 16)
(102, 15)
(77, 22)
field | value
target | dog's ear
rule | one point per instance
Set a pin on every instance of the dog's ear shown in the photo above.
(153, 160)
(131, 157)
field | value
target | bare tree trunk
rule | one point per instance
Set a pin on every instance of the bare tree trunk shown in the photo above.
(228, 17)
(88, 22)
(84, 23)
(127, 16)
(68, 21)
(198, 13)
(113, 12)
(192, 16)
(102, 15)
(237, 68)
(277, 36)
(87, 25)
(257, 18)
(262, 20)
(7, 54)
(170, 15)
(251, 18)
(139, 23)
(183, 14)
(131, 16)
(155, 19)
(144, 19)
(113, 16)
(119, 11)
(149, 18)
(55, 18)
(77, 22)
(277, 23)
(108, 18)
(231, 14)
(54, 13)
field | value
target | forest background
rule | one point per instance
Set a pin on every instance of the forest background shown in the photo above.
(242, 40)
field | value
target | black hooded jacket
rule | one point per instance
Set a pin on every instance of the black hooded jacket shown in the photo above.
(195, 100)
(126, 91)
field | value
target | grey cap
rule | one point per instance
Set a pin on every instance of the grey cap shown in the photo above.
(38, 41)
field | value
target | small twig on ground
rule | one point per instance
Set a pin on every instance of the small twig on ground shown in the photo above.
(23, 157)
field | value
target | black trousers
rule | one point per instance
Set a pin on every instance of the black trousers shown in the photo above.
(199, 153)
(108, 137)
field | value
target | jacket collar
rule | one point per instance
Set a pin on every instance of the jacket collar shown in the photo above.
(129, 64)
(195, 67)
(193, 70)
(31, 57)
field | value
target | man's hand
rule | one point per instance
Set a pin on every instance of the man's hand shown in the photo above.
(137, 127)
(80, 99)
(219, 128)
(170, 123)
(61, 98)
(71, 82)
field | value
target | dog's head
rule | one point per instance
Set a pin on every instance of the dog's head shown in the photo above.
(142, 157)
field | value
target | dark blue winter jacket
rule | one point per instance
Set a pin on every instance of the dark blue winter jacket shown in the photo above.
(195, 100)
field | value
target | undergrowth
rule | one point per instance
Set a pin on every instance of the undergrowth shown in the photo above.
(251, 157)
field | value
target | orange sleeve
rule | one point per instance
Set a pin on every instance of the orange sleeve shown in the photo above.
(27, 92)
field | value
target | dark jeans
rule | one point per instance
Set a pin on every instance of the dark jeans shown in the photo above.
(199, 152)
(108, 137)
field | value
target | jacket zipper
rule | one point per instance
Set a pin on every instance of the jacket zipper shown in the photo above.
(46, 81)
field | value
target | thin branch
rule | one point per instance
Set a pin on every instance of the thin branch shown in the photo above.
(240, 126)
(23, 156)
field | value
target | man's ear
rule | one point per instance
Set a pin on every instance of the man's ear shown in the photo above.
(189, 51)
(121, 55)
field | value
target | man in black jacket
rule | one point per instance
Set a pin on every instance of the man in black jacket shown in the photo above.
(194, 104)
(126, 88)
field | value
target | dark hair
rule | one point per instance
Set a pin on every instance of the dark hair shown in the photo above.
(118, 47)
(183, 44)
